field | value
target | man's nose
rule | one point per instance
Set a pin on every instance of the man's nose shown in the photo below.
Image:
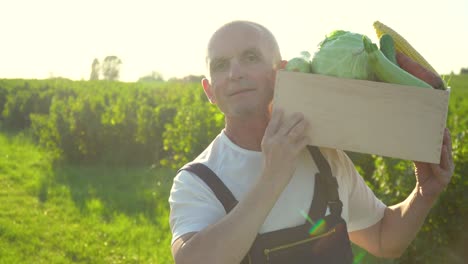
(235, 71)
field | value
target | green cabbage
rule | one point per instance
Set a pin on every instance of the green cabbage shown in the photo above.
(300, 63)
(342, 54)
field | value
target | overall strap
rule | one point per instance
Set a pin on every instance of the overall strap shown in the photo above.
(327, 181)
(223, 194)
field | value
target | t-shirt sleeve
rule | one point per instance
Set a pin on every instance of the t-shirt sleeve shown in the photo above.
(365, 209)
(193, 205)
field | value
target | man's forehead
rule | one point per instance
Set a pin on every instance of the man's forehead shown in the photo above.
(238, 29)
(234, 39)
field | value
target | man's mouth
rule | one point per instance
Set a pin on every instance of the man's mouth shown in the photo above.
(240, 92)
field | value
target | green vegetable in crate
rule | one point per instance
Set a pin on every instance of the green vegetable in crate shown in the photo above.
(409, 59)
(299, 64)
(342, 54)
(385, 70)
(387, 46)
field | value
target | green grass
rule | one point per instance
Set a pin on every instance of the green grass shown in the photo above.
(74, 214)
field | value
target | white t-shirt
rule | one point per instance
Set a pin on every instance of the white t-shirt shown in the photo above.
(194, 205)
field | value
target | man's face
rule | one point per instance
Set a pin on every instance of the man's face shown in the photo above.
(240, 62)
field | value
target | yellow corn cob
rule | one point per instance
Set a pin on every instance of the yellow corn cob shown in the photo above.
(402, 45)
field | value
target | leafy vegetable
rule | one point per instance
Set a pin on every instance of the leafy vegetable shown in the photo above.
(342, 54)
(386, 71)
(299, 64)
(387, 46)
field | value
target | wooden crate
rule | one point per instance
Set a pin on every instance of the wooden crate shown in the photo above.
(368, 117)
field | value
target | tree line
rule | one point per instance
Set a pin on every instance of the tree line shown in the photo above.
(110, 71)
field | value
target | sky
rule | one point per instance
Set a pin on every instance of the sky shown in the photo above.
(61, 38)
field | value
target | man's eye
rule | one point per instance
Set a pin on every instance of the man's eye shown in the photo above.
(219, 66)
(251, 57)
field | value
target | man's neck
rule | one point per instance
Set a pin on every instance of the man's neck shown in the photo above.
(247, 133)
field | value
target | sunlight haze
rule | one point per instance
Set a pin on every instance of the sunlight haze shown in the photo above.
(61, 38)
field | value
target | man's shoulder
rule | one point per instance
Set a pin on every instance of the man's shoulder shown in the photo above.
(207, 157)
(187, 184)
(335, 156)
(220, 153)
(341, 165)
(208, 152)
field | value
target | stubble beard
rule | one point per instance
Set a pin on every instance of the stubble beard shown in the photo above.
(247, 110)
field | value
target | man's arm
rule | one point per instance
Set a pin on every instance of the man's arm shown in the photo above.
(229, 239)
(396, 230)
(390, 237)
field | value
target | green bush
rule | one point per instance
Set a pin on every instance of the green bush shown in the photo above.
(162, 123)
(195, 125)
(21, 99)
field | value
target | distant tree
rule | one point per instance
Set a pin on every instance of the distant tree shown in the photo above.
(464, 71)
(193, 78)
(111, 68)
(188, 79)
(95, 70)
(153, 77)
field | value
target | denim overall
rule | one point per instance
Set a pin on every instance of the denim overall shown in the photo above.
(321, 239)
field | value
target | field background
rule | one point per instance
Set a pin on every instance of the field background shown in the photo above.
(86, 168)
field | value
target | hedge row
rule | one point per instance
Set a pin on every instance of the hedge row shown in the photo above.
(112, 122)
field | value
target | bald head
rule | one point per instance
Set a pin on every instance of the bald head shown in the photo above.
(244, 31)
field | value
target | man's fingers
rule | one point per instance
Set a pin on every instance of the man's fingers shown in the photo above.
(290, 123)
(444, 159)
(298, 130)
(447, 154)
(302, 143)
(448, 142)
(275, 121)
(443, 170)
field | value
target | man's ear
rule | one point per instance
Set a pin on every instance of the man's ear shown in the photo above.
(282, 64)
(207, 88)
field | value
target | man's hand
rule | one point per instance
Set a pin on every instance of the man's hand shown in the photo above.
(433, 178)
(401, 222)
(284, 139)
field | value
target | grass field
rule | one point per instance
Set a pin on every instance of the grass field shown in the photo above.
(79, 214)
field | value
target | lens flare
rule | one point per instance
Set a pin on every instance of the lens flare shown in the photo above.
(318, 227)
(306, 216)
(359, 257)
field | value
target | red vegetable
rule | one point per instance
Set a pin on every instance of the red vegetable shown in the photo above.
(418, 71)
